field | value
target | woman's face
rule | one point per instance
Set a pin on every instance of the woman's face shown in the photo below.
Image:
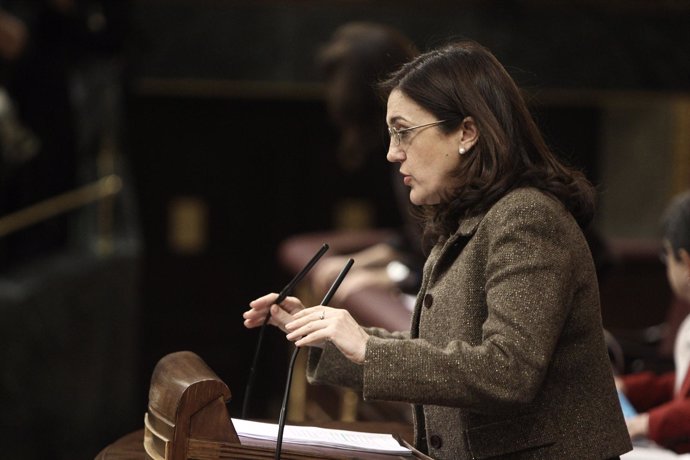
(678, 271)
(427, 155)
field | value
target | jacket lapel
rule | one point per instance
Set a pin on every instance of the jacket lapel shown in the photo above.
(438, 257)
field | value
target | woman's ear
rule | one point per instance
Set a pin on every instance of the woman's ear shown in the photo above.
(468, 133)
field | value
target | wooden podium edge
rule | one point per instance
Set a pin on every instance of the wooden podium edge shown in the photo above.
(131, 447)
(188, 418)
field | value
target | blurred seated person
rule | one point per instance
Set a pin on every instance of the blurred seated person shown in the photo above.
(355, 59)
(662, 401)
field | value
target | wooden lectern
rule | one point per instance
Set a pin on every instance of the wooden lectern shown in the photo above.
(187, 418)
(186, 409)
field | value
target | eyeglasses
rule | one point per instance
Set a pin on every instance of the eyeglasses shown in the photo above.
(397, 135)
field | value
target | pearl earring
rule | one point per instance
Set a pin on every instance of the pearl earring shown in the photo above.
(462, 151)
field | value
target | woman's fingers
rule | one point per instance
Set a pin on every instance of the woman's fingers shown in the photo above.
(307, 326)
(297, 330)
(316, 325)
(310, 312)
(279, 317)
(261, 304)
(313, 339)
(305, 316)
(259, 308)
(292, 305)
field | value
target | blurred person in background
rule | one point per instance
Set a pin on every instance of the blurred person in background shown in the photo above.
(356, 58)
(662, 402)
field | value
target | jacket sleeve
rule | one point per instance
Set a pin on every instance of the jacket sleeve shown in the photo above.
(328, 366)
(529, 290)
(646, 389)
(669, 424)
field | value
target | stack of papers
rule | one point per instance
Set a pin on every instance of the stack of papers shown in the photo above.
(314, 436)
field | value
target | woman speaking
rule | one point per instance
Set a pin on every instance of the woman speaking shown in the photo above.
(506, 354)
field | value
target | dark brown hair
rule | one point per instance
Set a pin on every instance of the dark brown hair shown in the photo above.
(464, 79)
(675, 223)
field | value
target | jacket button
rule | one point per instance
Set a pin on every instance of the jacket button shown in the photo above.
(435, 441)
(428, 300)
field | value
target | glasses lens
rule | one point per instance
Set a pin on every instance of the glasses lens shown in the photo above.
(395, 136)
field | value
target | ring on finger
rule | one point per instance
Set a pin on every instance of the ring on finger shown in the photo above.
(323, 315)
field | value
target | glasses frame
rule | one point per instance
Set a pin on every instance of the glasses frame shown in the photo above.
(395, 133)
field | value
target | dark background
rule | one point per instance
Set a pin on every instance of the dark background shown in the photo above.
(221, 101)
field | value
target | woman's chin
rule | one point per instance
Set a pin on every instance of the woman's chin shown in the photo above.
(418, 200)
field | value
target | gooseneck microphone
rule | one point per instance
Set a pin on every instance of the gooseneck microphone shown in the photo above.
(287, 290)
(283, 408)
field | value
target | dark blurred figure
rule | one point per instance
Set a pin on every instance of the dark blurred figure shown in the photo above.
(662, 401)
(373, 220)
(54, 54)
(357, 56)
(68, 307)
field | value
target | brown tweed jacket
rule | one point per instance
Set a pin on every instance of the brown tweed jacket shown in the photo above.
(506, 357)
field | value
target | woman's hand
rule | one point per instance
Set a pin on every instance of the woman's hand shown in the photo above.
(620, 386)
(280, 314)
(638, 426)
(316, 325)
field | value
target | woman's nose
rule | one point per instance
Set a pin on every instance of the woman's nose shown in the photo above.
(395, 153)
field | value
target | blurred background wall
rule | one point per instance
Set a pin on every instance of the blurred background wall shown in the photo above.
(216, 125)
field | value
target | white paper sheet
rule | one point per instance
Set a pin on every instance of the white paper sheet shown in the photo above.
(314, 436)
(647, 450)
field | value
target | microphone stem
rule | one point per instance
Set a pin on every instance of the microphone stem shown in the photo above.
(283, 408)
(287, 290)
